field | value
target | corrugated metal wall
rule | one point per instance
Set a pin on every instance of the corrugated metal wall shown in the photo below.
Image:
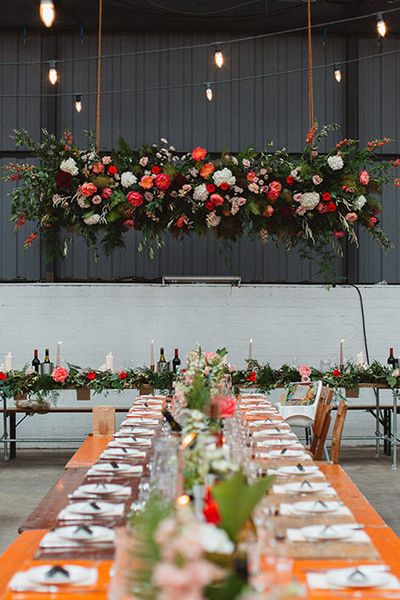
(244, 113)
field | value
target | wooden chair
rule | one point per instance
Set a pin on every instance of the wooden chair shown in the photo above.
(321, 424)
(338, 431)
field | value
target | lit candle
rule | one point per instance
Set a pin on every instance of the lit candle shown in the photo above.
(341, 353)
(58, 354)
(152, 363)
(110, 362)
(360, 359)
(251, 349)
(183, 501)
(8, 362)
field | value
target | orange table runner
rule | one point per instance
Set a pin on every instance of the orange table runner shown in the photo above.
(89, 452)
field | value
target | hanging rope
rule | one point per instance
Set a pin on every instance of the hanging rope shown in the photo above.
(98, 94)
(310, 68)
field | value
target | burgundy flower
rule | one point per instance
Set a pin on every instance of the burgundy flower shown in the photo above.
(63, 180)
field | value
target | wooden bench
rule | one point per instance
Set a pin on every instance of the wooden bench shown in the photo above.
(88, 453)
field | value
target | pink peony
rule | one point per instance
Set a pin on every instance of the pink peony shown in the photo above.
(146, 182)
(226, 406)
(351, 217)
(135, 199)
(364, 177)
(304, 371)
(106, 193)
(163, 181)
(59, 374)
(106, 160)
(88, 189)
(316, 179)
(216, 199)
(97, 168)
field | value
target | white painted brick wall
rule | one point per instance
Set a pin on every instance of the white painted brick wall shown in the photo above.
(285, 321)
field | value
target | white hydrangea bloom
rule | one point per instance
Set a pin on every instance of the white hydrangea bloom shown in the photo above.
(361, 200)
(92, 219)
(69, 166)
(309, 200)
(128, 179)
(224, 176)
(200, 193)
(335, 162)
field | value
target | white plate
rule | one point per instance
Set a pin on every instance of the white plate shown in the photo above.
(316, 507)
(326, 532)
(108, 468)
(123, 453)
(120, 442)
(272, 433)
(294, 470)
(87, 508)
(357, 578)
(298, 453)
(40, 574)
(79, 533)
(277, 442)
(306, 487)
(100, 489)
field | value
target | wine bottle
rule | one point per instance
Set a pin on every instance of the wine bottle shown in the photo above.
(176, 363)
(36, 361)
(162, 364)
(391, 361)
(46, 367)
(46, 356)
(171, 421)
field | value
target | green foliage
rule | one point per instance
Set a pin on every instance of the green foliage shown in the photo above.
(198, 397)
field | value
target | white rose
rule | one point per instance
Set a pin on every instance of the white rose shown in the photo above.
(215, 540)
(361, 200)
(335, 162)
(92, 219)
(143, 161)
(82, 202)
(295, 173)
(128, 179)
(309, 200)
(69, 166)
(224, 176)
(200, 193)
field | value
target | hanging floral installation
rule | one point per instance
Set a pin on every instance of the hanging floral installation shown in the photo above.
(315, 201)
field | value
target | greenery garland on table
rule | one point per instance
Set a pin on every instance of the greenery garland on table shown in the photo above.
(314, 201)
(263, 377)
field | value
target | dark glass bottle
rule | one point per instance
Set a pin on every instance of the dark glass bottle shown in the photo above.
(36, 361)
(176, 363)
(391, 361)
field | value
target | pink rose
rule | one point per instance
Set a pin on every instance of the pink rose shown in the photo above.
(269, 211)
(209, 356)
(143, 161)
(97, 168)
(316, 179)
(106, 160)
(275, 186)
(322, 208)
(226, 406)
(135, 199)
(338, 234)
(96, 199)
(106, 193)
(304, 370)
(128, 224)
(372, 221)
(88, 189)
(298, 197)
(59, 374)
(216, 199)
(351, 217)
(181, 221)
(364, 177)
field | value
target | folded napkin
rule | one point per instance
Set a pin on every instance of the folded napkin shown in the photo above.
(116, 510)
(124, 492)
(118, 453)
(22, 582)
(135, 420)
(136, 429)
(290, 444)
(53, 540)
(309, 475)
(357, 536)
(138, 441)
(268, 454)
(283, 489)
(271, 433)
(133, 470)
(317, 580)
(288, 510)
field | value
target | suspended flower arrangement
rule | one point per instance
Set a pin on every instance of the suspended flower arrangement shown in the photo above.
(315, 201)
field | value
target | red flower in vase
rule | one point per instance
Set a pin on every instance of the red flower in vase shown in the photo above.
(252, 377)
(3, 376)
(91, 375)
(123, 375)
(211, 512)
(336, 373)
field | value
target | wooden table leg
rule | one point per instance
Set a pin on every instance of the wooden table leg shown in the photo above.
(13, 434)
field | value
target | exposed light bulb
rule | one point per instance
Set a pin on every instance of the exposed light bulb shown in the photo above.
(53, 73)
(47, 12)
(78, 103)
(209, 92)
(337, 73)
(380, 25)
(219, 58)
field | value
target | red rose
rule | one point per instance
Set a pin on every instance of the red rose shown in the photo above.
(128, 224)
(224, 186)
(372, 221)
(163, 181)
(135, 199)
(336, 373)
(211, 513)
(91, 375)
(326, 196)
(322, 208)
(290, 180)
(123, 375)
(156, 170)
(216, 199)
(252, 377)
(331, 207)
(211, 188)
(181, 221)
(112, 170)
(3, 376)
(63, 180)
(209, 205)
(338, 234)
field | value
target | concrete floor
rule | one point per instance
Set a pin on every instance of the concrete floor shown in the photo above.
(24, 482)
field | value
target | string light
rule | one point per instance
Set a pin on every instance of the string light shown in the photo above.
(78, 103)
(219, 58)
(53, 73)
(47, 12)
(338, 73)
(380, 25)
(209, 92)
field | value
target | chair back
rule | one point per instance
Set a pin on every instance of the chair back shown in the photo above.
(338, 431)
(321, 423)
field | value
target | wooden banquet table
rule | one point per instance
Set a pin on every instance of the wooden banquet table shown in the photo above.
(24, 552)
